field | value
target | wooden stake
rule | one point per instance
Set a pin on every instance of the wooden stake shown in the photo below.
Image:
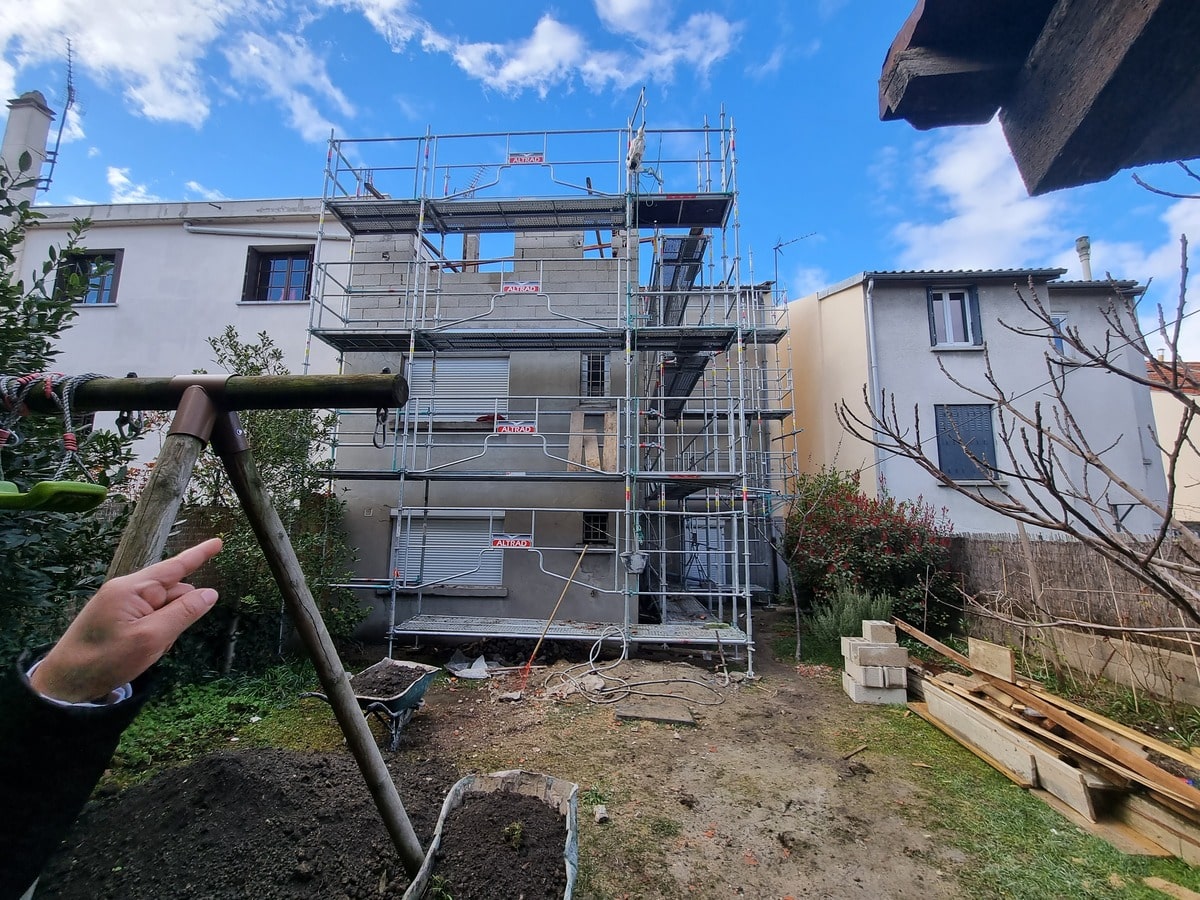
(334, 681)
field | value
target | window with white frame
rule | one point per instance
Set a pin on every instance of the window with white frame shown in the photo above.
(99, 269)
(447, 549)
(458, 388)
(965, 440)
(1058, 327)
(954, 318)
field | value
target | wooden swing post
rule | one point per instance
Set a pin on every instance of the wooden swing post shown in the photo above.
(206, 410)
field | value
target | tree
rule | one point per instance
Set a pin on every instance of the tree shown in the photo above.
(51, 561)
(1049, 472)
(244, 629)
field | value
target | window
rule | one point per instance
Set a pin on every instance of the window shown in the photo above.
(458, 388)
(447, 550)
(99, 269)
(596, 531)
(277, 274)
(954, 318)
(593, 374)
(1058, 325)
(966, 445)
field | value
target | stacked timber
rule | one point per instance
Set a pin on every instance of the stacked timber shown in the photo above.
(1131, 789)
(875, 670)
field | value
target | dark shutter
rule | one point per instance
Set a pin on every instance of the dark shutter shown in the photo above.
(976, 322)
(964, 430)
(932, 321)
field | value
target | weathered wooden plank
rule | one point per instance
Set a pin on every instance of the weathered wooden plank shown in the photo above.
(612, 461)
(1099, 747)
(1102, 89)
(591, 450)
(575, 442)
(922, 710)
(992, 659)
(1170, 888)
(1120, 835)
(978, 731)
(1166, 828)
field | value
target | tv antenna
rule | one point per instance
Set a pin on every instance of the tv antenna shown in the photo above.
(52, 155)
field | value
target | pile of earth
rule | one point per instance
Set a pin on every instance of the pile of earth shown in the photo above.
(255, 823)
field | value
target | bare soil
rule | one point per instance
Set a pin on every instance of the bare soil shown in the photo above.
(502, 847)
(385, 682)
(761, 798)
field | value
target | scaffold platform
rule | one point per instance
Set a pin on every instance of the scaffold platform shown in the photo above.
(711, 633)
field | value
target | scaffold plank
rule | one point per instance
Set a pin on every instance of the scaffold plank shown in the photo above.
(566, 630)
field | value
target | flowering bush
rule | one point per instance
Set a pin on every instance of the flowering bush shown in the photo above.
(838, 537)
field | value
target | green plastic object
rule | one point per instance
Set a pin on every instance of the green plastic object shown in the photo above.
(53, 496)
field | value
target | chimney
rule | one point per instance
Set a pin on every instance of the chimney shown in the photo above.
(1083, 246)
(28, 129)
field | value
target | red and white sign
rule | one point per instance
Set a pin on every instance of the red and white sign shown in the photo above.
(516, 428)
(522, 287)
(526, 159)
(524, 541)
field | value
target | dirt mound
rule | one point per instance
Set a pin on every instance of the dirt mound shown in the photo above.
(256, 823)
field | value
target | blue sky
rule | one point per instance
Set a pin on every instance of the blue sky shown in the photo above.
(210, 99)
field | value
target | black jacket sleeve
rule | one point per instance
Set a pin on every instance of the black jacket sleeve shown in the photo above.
(50, 760)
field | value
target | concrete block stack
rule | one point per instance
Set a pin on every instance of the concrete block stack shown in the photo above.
(876, 666)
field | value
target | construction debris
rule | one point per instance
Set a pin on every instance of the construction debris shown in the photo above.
(1109, 779)
(875, 665)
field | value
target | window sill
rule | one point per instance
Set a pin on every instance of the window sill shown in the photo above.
(965, 482)
(490, 591)
(272, 303)
(93, 306)
(957, 348)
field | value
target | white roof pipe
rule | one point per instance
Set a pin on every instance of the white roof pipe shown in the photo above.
(258, 232)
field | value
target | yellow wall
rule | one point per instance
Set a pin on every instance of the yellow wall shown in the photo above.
(1167, 412)
(829, 364)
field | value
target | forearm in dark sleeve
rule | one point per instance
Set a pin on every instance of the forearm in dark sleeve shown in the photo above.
(51, 757)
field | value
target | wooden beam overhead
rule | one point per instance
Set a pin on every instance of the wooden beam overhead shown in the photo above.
(1105, 87)
(1085, 88)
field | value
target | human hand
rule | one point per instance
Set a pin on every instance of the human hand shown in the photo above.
(126, 627)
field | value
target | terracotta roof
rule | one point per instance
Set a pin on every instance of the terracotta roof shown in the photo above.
(1158, 373)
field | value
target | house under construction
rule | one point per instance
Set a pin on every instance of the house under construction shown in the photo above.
(594, 388)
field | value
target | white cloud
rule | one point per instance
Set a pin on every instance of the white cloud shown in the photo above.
(392, 19)
(768, 66)
(151, 48)
(546, 57)
(93, 152)
(125, 191)
(632, 16)
(807, 280)
(195, 187)
(289, 72)
(982, 216)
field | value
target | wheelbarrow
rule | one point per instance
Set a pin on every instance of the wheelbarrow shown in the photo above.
(395, 711)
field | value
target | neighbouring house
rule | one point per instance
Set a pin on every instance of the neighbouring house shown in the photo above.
(585, 370)
(888, 333)
(1168, 414)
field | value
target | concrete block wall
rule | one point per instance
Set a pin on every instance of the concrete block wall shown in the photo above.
(876, 666)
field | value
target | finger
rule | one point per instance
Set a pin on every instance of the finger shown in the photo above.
(178, 567)
(173, 619)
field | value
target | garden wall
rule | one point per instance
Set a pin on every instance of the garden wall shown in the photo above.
(1017, 586)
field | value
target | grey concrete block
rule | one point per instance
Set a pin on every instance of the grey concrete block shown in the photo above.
(879, 632)
(878, 676)
(882, 696)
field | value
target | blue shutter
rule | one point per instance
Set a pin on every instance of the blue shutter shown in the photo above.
(961, 428)
(976, 322)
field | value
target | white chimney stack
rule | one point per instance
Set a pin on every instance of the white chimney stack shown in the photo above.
(28, 130)
(1083, 246)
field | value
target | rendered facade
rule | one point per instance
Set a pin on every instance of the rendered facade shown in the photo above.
(890, 332)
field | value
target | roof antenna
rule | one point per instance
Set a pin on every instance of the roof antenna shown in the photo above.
(52, 155)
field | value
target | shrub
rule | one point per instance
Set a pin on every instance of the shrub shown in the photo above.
(838, 537)
(839, 614)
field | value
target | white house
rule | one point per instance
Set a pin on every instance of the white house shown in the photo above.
(890, 332)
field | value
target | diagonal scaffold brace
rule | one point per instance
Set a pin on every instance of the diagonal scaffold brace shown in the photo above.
(207, 412)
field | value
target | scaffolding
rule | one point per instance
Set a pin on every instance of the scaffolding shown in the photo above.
(587, 368)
